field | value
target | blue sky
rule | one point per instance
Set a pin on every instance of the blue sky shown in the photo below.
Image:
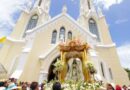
(72, 6)
(118, 18)
(117, 14)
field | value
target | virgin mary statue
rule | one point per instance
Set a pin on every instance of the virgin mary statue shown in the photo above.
(75, 70)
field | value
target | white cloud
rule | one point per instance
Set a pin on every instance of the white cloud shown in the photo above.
(107, 3)
(121, 21)
(7, 10)
(124, 54)
(8, 7)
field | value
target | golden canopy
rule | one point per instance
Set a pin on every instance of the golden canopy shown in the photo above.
(74, 49)
(73, 45)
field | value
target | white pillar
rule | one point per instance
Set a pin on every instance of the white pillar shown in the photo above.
(43, 76)
(96, 62)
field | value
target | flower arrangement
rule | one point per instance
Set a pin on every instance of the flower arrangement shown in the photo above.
(91, 68)
(58, 66)
(89, 86)
(69, 85)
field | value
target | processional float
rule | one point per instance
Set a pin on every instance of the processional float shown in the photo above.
(74, 49)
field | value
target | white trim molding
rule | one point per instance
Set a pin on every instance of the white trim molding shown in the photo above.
(93, 53)
(106, 46)
(15, 40)
(26, 50)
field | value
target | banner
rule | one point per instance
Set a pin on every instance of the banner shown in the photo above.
(2, 40)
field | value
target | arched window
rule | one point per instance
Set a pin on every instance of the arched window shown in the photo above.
(102, 69)
(62, 34)
(40, 1)
(54, 36)
(32, 23)
(110, 72)
(93, 28)
(70, 35)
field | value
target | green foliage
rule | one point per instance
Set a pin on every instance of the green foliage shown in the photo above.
(128, 71)
(58, 65)
(91, 68)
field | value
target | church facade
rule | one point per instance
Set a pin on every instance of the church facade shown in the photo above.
(32, 48)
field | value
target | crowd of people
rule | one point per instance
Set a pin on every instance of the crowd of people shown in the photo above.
(111, 86)
(12, 84)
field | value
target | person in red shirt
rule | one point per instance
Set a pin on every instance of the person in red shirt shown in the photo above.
(118, 87)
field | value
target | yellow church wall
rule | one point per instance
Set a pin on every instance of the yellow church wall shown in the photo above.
(31, 69)
(96, 18)
(22, 23)
(109, 55)
(49, 59)
(102, 26)
(96, 61)
(8, 55)
(20, 26)
(3, 52)
(104, 31)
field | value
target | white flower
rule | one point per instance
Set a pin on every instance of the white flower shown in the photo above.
(82, 88)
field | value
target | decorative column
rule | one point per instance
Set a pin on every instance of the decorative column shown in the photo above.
(86, 73)
(96, 61)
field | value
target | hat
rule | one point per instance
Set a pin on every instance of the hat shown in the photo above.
(112, 84)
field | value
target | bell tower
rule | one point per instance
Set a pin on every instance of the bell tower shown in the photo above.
(87, 9)
(92, 19)
(44, 5)
(31, 17)
(86, 6)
